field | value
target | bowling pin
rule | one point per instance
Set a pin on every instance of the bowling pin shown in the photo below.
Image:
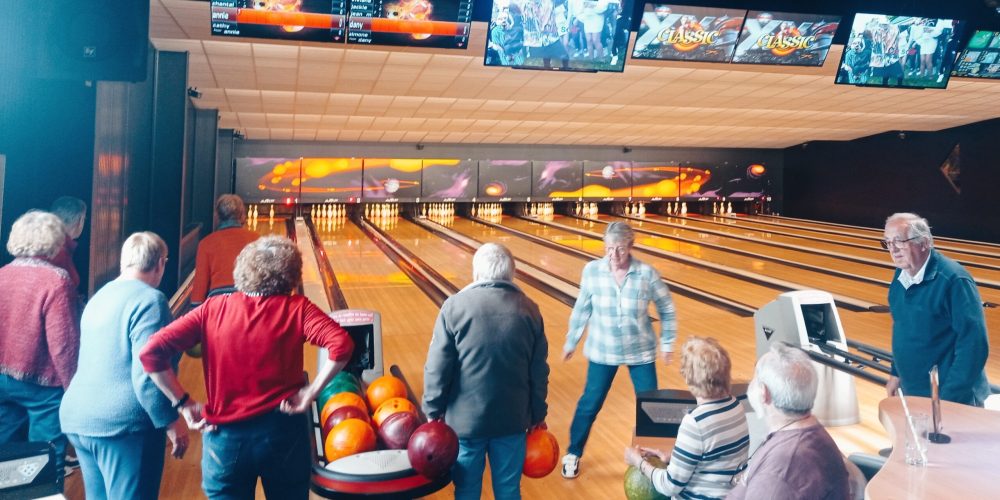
(729, 208)
(642, 210)
(249, 212)
(255, 212)
(271, 214)
(684, 208)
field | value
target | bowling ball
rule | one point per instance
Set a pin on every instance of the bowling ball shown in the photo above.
(541, 454)
(432, 449)
(346, 375)
(342, 399)
(383, 389)
(336, 387)
(390, 406)
(347, 438)
(343, 413)
(396, 429)
(638, 486)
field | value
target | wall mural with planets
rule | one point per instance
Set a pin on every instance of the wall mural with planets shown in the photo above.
(504, 180)
(396, 179)
(449, 180)
(350, 180)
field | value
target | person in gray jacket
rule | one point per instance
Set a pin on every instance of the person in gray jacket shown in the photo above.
(487, 375)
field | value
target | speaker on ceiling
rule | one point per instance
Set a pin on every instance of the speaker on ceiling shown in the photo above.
(76, 40)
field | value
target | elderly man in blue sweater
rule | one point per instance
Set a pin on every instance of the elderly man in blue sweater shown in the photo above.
(937, 317)
(112, 412)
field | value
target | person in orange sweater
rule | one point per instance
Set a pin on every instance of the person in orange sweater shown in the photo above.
(217, 253)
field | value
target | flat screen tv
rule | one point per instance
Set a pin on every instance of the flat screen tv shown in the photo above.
(981, 57)
(504, 180)
(331, 180)
(392, 179)
(567, 35)
(556, 180)
(607, 180)
(899, 51)
(449, 180)
(266, 180)
(683, 33)
(785, 38)
(303, 20)
(417, 23)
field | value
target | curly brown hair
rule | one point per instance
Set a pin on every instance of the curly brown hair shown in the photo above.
(271, 265)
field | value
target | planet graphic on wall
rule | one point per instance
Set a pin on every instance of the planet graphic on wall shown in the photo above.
(608, 172)
(495, 189)
(755, 171)
(391, 185)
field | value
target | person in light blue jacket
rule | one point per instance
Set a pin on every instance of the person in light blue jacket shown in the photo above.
(112, 412)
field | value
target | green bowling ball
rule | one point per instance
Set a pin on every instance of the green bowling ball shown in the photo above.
(336, 387)
(638, 486)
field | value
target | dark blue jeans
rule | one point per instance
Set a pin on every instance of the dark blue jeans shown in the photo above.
(273, 447)
(38, 405)
(506, 455)
(595, 390)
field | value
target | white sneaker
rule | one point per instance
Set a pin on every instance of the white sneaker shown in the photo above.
(570, 466)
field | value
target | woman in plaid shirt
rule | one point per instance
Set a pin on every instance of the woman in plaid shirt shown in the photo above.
(615, 293)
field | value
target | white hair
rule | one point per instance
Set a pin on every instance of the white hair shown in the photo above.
(493, 262)
(142, 252)
(36, 234)
(620, 232)
(790, 378)
(916, 226)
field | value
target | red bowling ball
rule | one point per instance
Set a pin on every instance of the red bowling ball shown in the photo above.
(541, 454)
(341, 414)
(432, 449)
(396, 429)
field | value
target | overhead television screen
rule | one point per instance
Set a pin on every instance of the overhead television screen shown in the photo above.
(568, 35)
(899, 51)
(725, 180)
(449, 180)
(419, 23)
(607, 179)
(556, 179)
(655, 180)
(331, 180)
(504, 180)
(785, 38)
(981, 57)
(265, 180)
(683, 33)
(392, 179)
(304, 20)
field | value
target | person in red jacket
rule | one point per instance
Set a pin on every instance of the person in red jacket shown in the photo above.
(213, 265)
(39, 333)
(253, 423)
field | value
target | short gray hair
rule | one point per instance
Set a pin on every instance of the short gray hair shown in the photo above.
(789, 376)
(271, 265)
(916, 226)
(619, 231)
(142, 252)
(36, 234)
(493, 262)
(230, 207)
(69, 209)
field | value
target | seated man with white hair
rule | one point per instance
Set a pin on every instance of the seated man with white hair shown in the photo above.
(798, 459)
(487, 375)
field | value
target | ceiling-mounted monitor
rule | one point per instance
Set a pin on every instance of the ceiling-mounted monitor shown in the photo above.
(302, 20)
(981, 57)
(899, 51)
(785, 38)
(410, 23)
(684, 33)
(560, 35)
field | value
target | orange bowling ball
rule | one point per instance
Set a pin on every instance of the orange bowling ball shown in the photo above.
(342, 399)
(383, 389)
(541, 454)
(390, 406)
(348, 438)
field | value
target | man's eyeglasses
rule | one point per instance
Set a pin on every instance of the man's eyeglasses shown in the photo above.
(887, 244)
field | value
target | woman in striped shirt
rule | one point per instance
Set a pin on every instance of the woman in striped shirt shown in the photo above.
(713, 439)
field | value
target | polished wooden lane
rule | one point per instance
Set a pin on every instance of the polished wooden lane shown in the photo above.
(962, 248)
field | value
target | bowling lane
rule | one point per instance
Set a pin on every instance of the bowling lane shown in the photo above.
(865, 234)
(814, 279)
(881, 271)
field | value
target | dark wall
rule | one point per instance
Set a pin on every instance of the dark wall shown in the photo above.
(865, 180)
(204, 137)
(47, 136)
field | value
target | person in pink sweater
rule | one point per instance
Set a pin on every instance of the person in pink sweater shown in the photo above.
(39, 334)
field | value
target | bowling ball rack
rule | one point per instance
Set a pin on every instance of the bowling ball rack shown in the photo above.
(380, 474)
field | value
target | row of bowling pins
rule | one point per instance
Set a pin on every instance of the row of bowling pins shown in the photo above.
(435, 210)
(328, 210)
(253, 211)
(677, 209)
(585, 209)
(487, 210)
(329, 223)
(541, 209)
(637, 209)
(722, 208)
(379, 210)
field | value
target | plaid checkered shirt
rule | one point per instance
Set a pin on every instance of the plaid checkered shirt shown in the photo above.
(621, 331)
